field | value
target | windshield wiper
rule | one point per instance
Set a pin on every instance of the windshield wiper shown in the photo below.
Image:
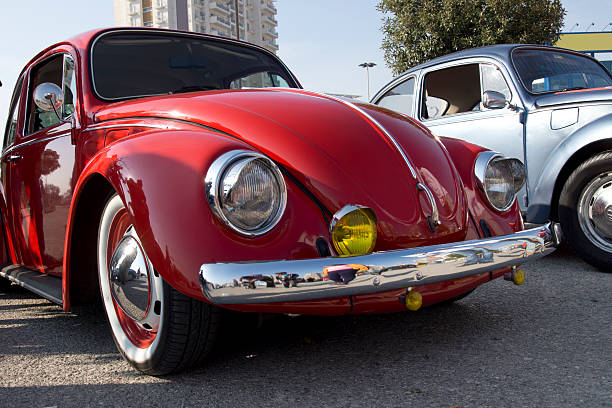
(193, 88)
(574, 88)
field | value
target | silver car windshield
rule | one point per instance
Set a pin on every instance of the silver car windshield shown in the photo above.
(543, 71)
(129, 64)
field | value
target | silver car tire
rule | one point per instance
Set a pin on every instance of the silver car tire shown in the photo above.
(585, 211)
(167, 332)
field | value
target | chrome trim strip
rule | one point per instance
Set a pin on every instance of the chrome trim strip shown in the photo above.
(98, 127)
(300, 280)
(32, 141)
(378, 125)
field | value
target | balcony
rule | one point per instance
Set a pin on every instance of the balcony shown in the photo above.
(269, 20)
(271, 45)
(268, 7)
(217, 6)
(219, 21)
(271, 34)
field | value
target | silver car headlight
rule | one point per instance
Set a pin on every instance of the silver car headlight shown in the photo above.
(500, 178)
(246, 190)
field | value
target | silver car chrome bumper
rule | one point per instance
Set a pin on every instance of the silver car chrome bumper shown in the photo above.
(309, 279)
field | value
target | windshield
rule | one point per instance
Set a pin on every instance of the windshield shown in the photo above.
(133, 64)
(543, 71)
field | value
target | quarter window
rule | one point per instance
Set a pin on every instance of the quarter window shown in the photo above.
(400, 98)
(493, 80)
(69, 87)
(11, 126)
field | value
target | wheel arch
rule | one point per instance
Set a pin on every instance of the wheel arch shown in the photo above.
(80, 283)
(572, 164)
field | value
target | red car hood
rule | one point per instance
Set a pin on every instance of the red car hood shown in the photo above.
(335, 150)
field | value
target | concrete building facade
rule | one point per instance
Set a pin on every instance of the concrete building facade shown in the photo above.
(256, 18)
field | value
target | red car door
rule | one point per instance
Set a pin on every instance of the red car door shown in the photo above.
(40, 174)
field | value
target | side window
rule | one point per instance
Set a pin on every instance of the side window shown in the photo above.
(399, 98)
(11, 125)
(48, 71)
(69, 87)
(451, 91)
(493, 80)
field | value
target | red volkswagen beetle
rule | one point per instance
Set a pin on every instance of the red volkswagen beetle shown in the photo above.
(177, 173)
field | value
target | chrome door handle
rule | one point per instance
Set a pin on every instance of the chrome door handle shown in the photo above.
(433, 220)
(14, 158)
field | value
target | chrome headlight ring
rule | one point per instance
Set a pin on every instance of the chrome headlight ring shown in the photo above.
(490, 164)
(231, 165)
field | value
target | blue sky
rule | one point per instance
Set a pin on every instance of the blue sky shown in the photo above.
(321, 41)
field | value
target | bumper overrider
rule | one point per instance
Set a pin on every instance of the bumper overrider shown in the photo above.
(309, 279)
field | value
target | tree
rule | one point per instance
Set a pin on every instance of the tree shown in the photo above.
(419, 30)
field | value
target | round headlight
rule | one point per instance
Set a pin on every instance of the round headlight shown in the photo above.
(247, 191)
(353, 231)
(500, 178)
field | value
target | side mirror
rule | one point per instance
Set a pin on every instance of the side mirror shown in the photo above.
(494, 100)
(49, 97)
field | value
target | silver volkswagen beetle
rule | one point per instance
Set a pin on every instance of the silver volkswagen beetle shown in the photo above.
(549, 107)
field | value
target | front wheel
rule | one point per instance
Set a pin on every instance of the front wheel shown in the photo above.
(155, 327)
(585, 211)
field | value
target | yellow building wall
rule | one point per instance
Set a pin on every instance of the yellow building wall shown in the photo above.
(593, 42)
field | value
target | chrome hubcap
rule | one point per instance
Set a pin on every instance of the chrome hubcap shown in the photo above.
(595, 211)
(134, 285)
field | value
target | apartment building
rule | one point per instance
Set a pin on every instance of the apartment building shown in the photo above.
(256, 18)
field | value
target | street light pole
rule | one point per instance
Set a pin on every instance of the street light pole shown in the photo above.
(367, 66)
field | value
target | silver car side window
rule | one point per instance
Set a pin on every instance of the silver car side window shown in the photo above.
(451, 91)
(400, 98)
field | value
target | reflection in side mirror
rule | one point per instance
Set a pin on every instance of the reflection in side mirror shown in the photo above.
(494, 100)
(49, 97)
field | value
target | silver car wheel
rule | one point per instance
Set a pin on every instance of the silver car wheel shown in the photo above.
(595, 211)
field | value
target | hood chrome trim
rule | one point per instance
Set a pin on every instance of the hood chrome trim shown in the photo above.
(376, 123)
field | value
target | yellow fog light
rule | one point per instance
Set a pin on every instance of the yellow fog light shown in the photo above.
(353, 230)
(414, 300)
(518, 277)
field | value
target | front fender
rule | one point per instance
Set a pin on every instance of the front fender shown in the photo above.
(159, 177)
(541, 200)
(464, 155)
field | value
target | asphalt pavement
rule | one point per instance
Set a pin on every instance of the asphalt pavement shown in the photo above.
(547, 343)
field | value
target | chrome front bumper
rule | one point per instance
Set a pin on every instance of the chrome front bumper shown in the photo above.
(309, 279)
